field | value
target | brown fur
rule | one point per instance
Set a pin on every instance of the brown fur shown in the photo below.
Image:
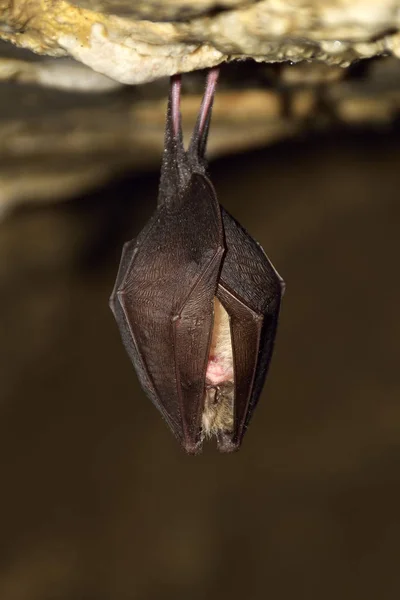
(219, 396)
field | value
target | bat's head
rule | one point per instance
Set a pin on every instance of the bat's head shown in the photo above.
(218, 412)
(217, 418)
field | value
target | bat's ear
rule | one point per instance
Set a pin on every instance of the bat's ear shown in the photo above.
(174, 154)
(198, 143)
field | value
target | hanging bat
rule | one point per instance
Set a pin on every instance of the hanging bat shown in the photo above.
(196, 299)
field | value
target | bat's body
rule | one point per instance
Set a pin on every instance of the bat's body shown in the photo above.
(196, 299)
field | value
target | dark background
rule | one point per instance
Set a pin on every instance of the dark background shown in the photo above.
(98, 501)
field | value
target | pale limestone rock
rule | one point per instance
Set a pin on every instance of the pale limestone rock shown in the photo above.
(62, 73)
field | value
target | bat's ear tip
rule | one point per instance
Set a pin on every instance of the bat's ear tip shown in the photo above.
(192, 447)
(226, 444)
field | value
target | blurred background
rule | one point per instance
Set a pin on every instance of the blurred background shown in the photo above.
(98, 501)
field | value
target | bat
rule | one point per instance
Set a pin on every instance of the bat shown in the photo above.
(196, 299)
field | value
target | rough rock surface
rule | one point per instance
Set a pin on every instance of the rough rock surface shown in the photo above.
(135, 42)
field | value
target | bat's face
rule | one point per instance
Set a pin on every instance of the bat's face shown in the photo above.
(218, 412)
(197, 300)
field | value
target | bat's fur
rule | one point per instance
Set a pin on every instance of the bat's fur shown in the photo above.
(219, 397)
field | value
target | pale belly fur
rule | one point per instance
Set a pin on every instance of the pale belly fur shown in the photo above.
(219, 396)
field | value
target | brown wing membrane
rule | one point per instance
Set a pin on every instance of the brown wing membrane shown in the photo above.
(164, 305)
(127, 336)
(251, 291)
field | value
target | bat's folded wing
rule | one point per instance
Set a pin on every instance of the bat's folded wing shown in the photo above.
(250, 290)
(164, 305)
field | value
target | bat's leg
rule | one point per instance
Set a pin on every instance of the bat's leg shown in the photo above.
(174, 173)
(175, 121)
(177, 165)
(206, 108)
(198, 143)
